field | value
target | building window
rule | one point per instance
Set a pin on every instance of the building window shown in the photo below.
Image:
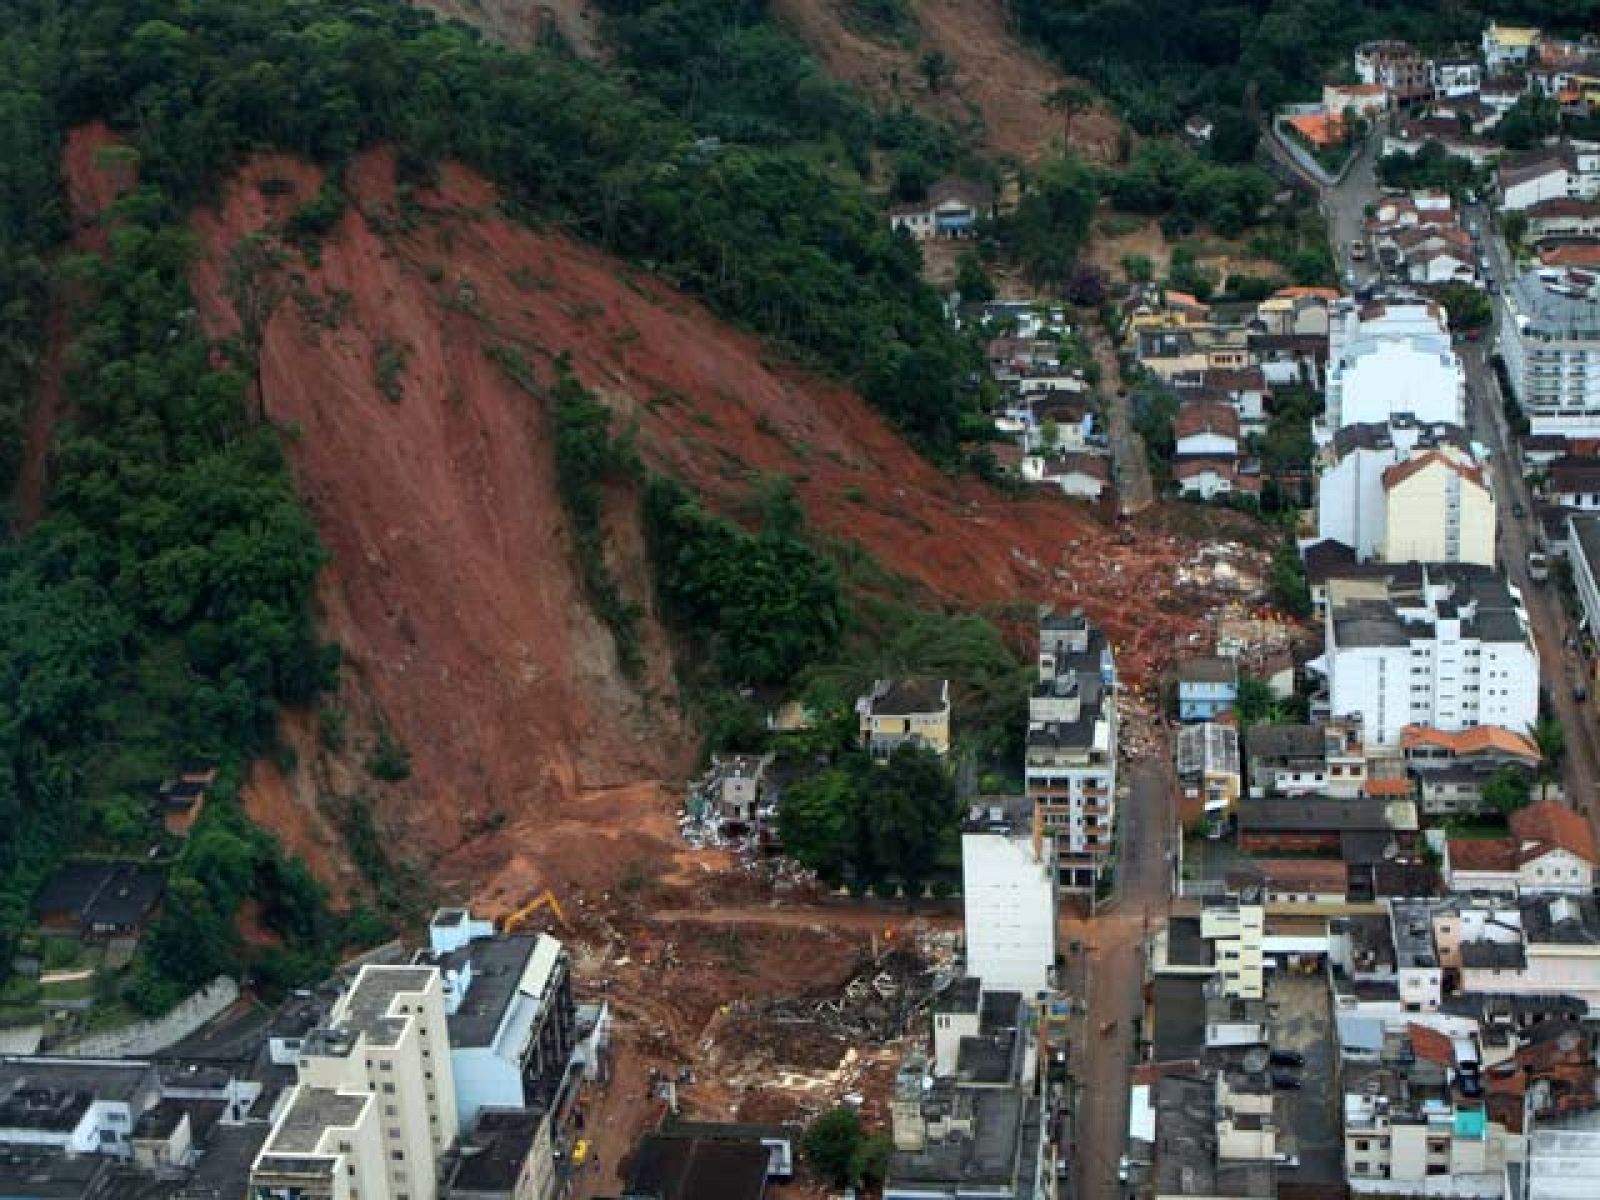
(388, 1089)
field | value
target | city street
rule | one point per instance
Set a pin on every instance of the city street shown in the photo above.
(1345, 208)
(1113, 945)
(1553, 631)
(1135, 489)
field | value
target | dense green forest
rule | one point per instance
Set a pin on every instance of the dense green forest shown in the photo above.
(1161, 60)
(163, 608)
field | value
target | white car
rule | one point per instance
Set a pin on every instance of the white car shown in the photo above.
(1122, 1169)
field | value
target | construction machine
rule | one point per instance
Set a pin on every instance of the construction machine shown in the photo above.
(512, 922)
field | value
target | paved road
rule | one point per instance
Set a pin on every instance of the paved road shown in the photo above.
(1135, 489)
(1113, 954)
(1345, 207)
(1552, 627)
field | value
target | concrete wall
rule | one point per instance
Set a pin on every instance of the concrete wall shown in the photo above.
(158, 1033)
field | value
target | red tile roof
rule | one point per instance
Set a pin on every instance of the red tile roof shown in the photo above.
(1574, 254)
(1320, 129)
(1430, 1045)
(1548, 825)
(1206, 416)
(1472, 741)
(1483, 854)
(1394, 476)
(1387, 787)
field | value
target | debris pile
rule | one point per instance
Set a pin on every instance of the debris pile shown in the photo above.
(877, 1004)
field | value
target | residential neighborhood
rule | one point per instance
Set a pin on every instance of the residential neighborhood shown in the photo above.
(1233, 836)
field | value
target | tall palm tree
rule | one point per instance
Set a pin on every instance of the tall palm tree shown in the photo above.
(1069, 100)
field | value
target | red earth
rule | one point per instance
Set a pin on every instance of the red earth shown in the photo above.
(452, 586)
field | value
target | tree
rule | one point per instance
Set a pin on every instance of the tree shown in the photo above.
(1467, 306)
(255, 286)
(1069, 100)
(831, 1145)
(1086, 286)
(910, 812)
(936, 69)
(1550, 736)
(1286, 580)
(972, 281)
(870, 1163)
(1514, 225)
(1138, 268)
(819, 819)
(1256, 705)
(1507, 790)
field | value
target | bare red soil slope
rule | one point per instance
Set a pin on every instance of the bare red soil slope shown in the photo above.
(999, 84)
(453, 588)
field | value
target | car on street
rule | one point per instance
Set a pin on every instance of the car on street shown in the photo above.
(1287, 1058)
(1517, 510)
(1122, 1169)
(1285, 1082)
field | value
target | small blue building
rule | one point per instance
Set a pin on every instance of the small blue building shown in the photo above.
(1207, 688)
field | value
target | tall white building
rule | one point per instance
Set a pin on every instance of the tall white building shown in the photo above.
(510, 1014)
(375, 1107)
(1071, 759)
(1550, 340)
(1389, 358)
(1008, 889)
(1439, 509)
(1404, 492)
(1452, 651)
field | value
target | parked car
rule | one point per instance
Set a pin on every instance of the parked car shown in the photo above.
(1122, 1169)
(1285, 1082)
(1287, 1058)
(1517, 510)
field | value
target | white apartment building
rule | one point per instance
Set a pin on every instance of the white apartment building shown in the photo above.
(1508, 46)
(375, 1105)
(1236, 928)
(1390, 358)
(1071, 759)
(1008, 892)
(509, 1010)
(1583, 552)
(1451, 653)
(1550, 340)
(1455, 77)
(1439, 509)
(1403, 492)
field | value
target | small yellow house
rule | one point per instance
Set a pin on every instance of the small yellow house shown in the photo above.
(915, 710)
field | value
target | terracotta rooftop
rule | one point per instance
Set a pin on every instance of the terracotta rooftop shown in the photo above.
(1394, 476)
(1549, 824)
(1563, 206)
(1400, 786)
(1206, 417)
(1471, 741)
(1574, 254)
(1300, 874)
(1483, 854)
(1320, 129)
(1430, 1045)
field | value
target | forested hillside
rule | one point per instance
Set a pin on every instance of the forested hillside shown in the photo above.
(162, 609)
(1161, 60)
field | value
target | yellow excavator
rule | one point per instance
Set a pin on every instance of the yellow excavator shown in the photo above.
(512, 922)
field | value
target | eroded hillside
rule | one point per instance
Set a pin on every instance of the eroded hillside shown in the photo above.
(997, 88)
(452, 588)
